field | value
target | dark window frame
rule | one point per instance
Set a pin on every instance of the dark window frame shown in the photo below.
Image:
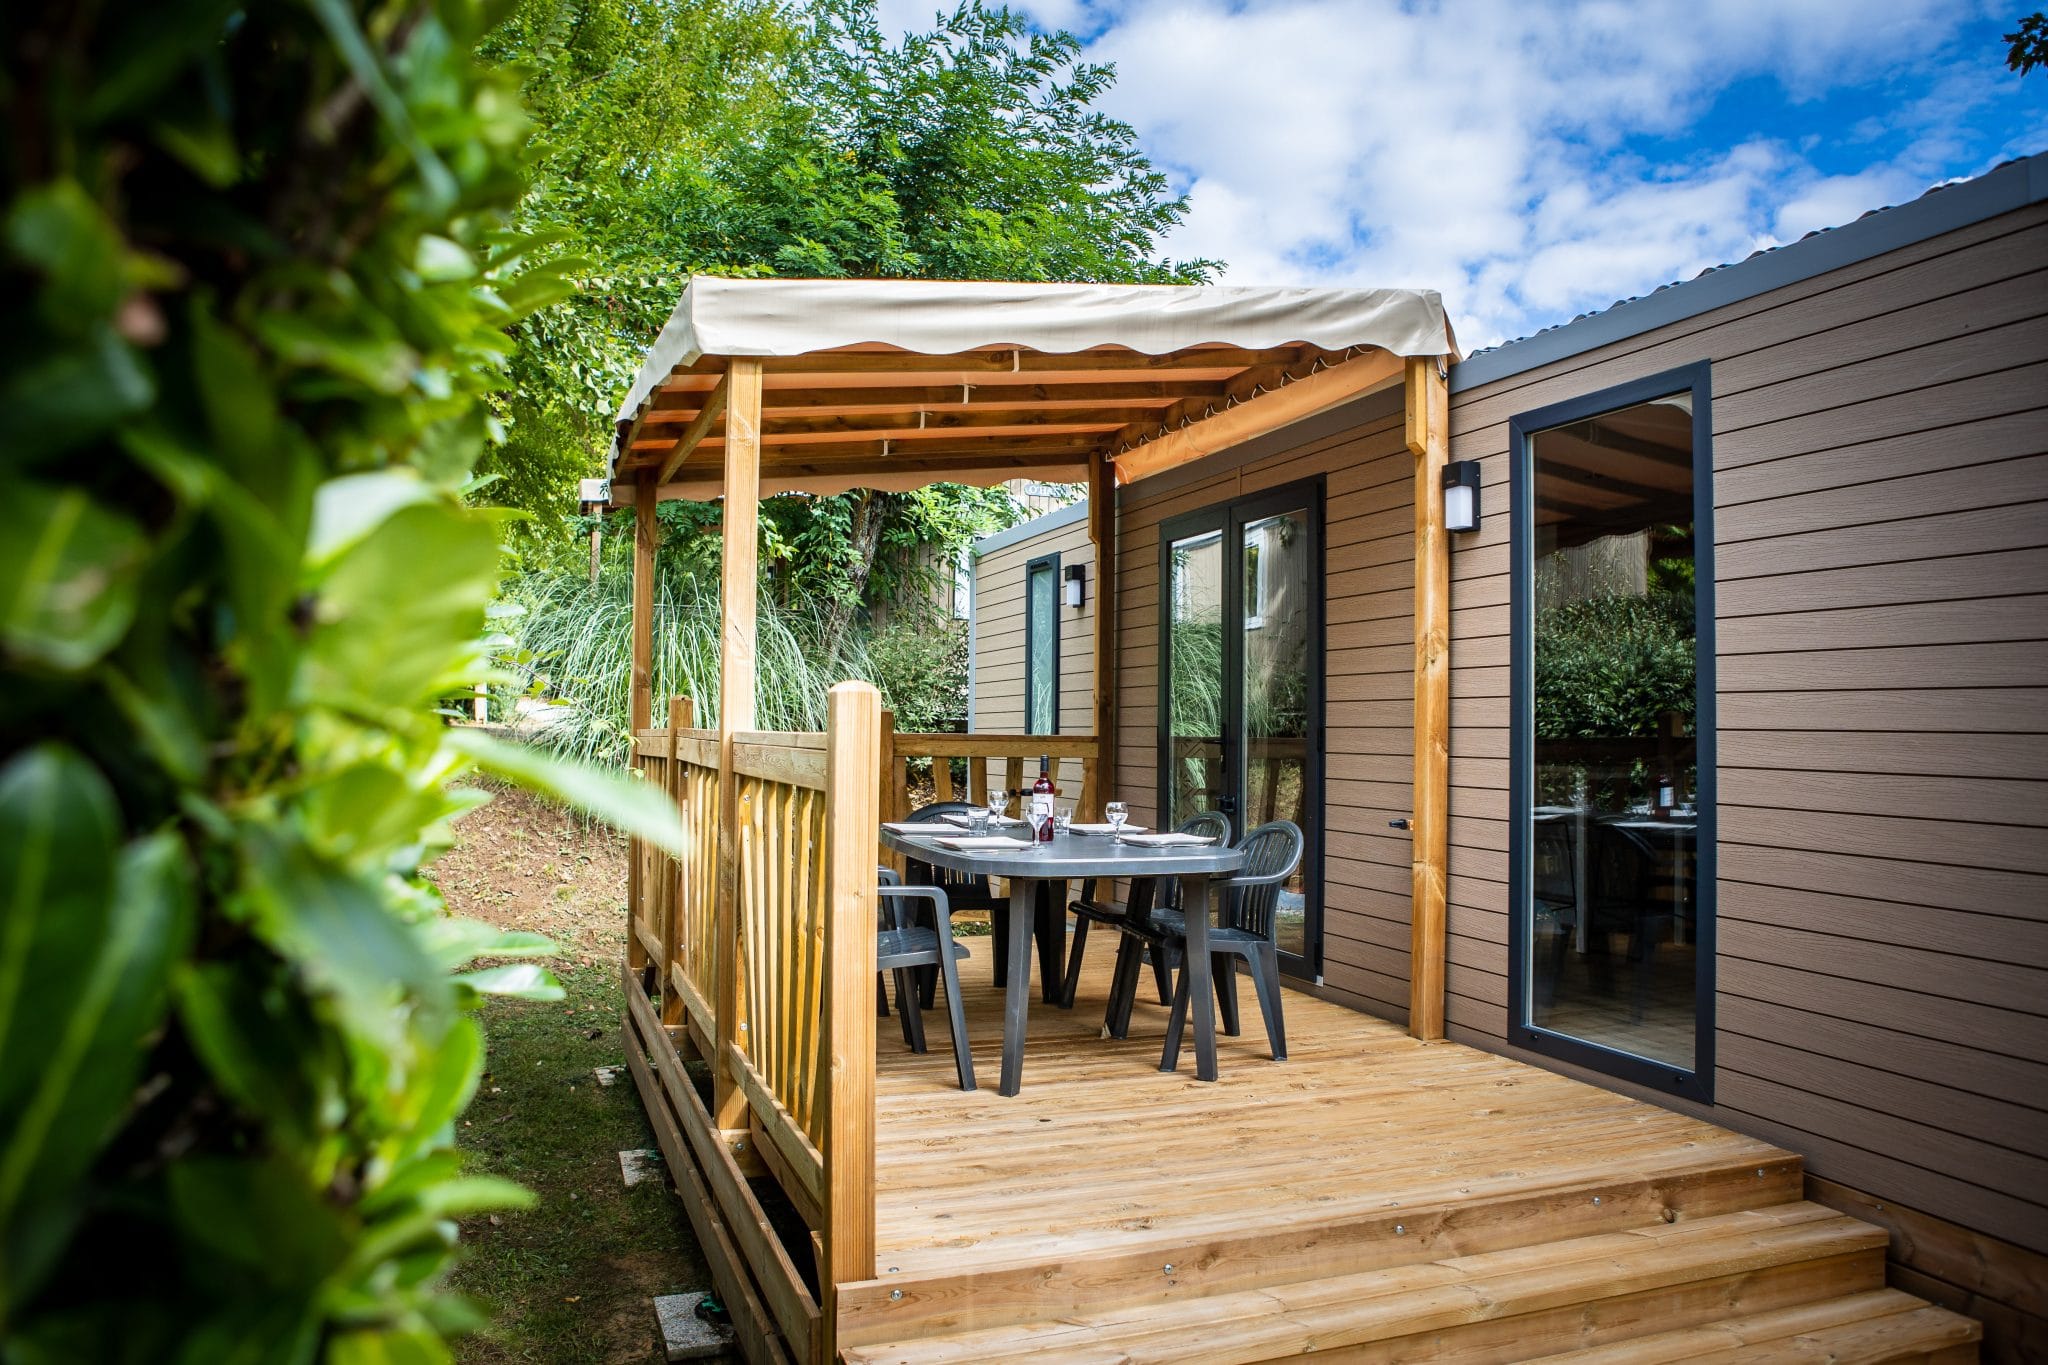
(1032, 625)
(1227, 518)
(1698, 1083)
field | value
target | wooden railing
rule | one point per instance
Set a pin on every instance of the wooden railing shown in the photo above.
(1010, 759)
(672, 921)
(792, 1064)
(792, 1068)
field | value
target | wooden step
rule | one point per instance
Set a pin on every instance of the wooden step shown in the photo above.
(1348, 1233)
(1506, 1305)
(1884, 1325)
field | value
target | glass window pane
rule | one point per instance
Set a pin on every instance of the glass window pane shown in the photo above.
(1614, 657)
(1042, 623)
(1276, 692)
(1194, 722)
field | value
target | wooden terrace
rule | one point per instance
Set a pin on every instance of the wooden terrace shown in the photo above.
(1381, 1195)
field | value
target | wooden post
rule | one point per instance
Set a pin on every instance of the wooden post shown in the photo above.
(1102, 531)
(888, 766)
(737, 590)
(852, 753)
(646, 539)
(1428, 404)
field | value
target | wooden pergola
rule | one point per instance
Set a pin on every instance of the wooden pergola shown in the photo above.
(878, 415)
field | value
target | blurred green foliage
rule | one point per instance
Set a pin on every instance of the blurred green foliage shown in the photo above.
(255, 286)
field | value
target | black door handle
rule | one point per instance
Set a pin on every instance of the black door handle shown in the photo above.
(1397, 824)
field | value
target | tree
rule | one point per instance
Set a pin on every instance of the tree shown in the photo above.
(971, 152)
(254, 285)
(2027, 46)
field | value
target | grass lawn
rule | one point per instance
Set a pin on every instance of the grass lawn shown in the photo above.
(574, 1279)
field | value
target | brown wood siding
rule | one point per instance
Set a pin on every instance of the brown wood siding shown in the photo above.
(1368, 546)
(1881, 537)
(999, 639)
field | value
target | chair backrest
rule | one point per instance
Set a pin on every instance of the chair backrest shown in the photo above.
(1271, 854)
(967, 889)
(1210, 824)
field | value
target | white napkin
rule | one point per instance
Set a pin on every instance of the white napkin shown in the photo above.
(988, 843)
(910, 827)
(1173, 840)
(1104, 829)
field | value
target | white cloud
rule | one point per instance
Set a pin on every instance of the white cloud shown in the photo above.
(1477, 147)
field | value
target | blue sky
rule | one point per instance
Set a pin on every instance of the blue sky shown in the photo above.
(1536, 160)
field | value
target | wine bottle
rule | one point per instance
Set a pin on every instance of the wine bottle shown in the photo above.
(1042, 794)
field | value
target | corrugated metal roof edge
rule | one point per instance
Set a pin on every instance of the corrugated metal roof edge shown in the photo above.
(1944, 208)
(1024, 530)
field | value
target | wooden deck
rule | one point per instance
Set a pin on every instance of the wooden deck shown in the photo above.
(1373, 1195)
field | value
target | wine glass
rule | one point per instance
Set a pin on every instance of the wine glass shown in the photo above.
(998, 799)
(1118, 812)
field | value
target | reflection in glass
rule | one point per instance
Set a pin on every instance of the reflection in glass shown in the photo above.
(1276, 682)
(1041, 638)
(1612, 847)
(1194, 722)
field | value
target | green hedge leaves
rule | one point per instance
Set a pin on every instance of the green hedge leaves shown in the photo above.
(255, 286)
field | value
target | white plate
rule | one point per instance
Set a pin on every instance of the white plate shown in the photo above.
(1105, 829)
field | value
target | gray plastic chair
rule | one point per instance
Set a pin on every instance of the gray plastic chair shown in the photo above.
(1132, 921)
(1271, 854)
(965, 890)
(902, 945)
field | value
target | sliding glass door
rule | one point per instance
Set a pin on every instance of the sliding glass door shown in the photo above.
(1613, 775)
(1241, 681)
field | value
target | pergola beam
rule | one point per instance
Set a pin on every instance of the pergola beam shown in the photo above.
(1256, 416)
(826, 436)
(699, 428)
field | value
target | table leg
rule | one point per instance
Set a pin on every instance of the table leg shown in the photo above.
(1200, 988)
(1052, 941)
(1017, 990)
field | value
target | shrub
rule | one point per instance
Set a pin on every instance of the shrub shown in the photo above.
(919, 661)
(253, 297)
(1613, 665)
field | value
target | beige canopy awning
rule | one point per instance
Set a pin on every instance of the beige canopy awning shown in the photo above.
(902, 383)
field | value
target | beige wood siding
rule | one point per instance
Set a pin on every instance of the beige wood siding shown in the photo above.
(999, 639)
(1881, 540)
(1368, 547)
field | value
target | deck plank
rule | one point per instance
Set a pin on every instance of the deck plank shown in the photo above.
(1102, 1150)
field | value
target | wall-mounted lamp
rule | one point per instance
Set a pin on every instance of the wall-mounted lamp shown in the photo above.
(1461, 495)
(1074, 589)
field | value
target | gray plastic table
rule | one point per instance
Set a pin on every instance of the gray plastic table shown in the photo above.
(1074, 857)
